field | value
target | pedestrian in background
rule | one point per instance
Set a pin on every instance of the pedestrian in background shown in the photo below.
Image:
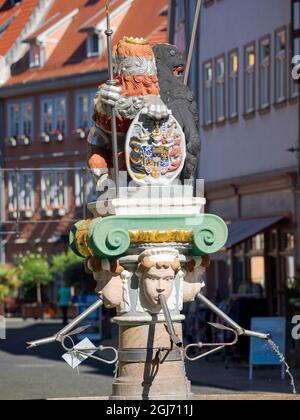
(65, 296)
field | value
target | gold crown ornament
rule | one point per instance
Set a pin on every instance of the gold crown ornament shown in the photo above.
(137, 41)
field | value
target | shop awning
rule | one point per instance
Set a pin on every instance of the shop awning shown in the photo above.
(241, 230)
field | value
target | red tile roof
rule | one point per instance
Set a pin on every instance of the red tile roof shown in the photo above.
(49, 22)
(21, 13)
(143, 19)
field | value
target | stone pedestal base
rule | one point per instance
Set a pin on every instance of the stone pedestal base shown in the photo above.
(145, 371)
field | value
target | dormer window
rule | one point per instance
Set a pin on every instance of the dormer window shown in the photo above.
(95, 44)
(36, 55)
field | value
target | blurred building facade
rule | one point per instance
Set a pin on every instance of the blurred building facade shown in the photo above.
(249, 117)
(52, 58)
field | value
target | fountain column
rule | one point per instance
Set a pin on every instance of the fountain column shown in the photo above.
(134, 262)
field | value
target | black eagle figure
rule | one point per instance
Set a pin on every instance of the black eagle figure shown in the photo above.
(181, 100)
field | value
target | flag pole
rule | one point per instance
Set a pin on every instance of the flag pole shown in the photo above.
(192, 44)
(109, 32)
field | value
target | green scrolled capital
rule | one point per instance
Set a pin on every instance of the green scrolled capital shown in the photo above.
(72, 238)
(211, 236)
(106, 240)
(109, 237)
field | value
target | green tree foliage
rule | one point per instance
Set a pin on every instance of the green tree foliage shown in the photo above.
(33, 270)
(60, 263)
(9, 281)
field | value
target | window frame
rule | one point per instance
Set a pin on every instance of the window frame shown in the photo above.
(21, 104)
(53, 171)
(220, 81)
(293, 97)
(264, 107)
(294, 15)
(101, 44)
(233, 117)
(12, 197)
(208, 124)
(33, 62)
(91, 193)
(280, 101)
(248, 113)
(80, 94)
(54, 100)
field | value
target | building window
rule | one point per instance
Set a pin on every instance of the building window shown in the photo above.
(290, 272)
(84, 110)
(60, 115)
(288, 242)
(36, 55)
(288, 246)
(264, 73)
(95, 44)
(233, 70)
(47, 189)
(294, 89)
(25, 183)
(14, 120)
(12, 193)
(220, 89)
(294, 50)
(280, 65)
(296, 15)
(20, 120)
(257, 270)
(26, 118)
(47, 116)
(61, 201)
(83, 176)
(258, 243)
(208, 94)
(250, 61)
(54, 190)
(54, 116)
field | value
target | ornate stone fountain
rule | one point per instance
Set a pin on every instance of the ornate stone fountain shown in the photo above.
(148, 242)
(148, 253)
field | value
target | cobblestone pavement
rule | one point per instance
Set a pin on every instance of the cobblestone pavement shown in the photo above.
(41, 373)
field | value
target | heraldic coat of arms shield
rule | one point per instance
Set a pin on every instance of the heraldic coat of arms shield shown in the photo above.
(155, 150)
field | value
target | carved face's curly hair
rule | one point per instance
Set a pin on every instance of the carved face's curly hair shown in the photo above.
(146, 264)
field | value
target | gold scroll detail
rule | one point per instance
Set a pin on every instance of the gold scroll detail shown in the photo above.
(160, 236)
(81, 239)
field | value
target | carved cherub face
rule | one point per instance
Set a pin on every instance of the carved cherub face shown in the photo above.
(156, 282)
(109, 288)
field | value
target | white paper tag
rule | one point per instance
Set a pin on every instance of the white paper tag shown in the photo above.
(74, 359)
